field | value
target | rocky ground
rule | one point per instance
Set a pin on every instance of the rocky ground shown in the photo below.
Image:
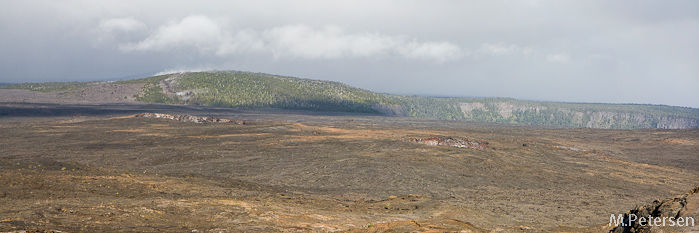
(676, 214)
(90, 168)
(98, 93)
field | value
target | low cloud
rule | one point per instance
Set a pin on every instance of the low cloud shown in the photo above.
(194, 31)
(441, 51)
(332, 42)
(211, 37)
(119, 29)
(557, 58)
(122, 25)
(182, 70)
(505, 50)
(521, 52)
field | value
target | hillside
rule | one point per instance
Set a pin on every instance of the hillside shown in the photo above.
(256, 90)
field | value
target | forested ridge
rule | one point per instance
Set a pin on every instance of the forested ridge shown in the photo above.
(258, 90)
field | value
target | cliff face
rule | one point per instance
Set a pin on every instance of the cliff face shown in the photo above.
(677, 123)
(582, 116)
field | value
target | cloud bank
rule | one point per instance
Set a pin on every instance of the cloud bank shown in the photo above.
(122, 25)
(211, 37)
(627, 51)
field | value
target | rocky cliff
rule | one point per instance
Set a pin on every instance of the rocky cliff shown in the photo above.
(581, 115)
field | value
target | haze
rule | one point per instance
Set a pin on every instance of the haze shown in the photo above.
(573, 51)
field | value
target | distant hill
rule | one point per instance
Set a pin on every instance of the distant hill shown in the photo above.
(47, 87)
(257, 90)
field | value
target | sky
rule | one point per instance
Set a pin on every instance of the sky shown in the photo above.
(626, 51)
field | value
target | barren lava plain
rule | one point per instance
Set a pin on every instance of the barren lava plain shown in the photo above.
(92, 168)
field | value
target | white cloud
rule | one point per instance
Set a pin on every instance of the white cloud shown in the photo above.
(441, 51)
(182, 70)
(242, 42)
(118, 29)
(332, 42)
(521, 52)
(197, 31)
(328, 42)
(122, 25)
(557, 58)
(505, 50)
(210, 36)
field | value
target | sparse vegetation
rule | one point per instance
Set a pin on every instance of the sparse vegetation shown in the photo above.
(47, 87)
(154, 94)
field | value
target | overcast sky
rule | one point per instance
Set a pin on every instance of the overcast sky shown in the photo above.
(631, 51)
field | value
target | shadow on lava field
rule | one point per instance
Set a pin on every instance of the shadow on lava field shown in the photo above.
(328, 173)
